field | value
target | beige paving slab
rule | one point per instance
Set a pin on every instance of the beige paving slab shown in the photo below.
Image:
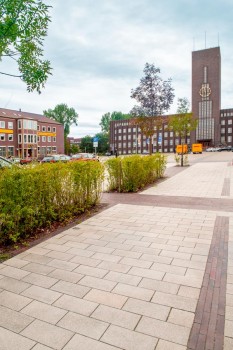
(15, 262)
(116, 267)
(13, 285)
(13, 301)
(145, 308)
(123, 278)
(164, 330)
(36, 258)
(38, 268)
(43, 312)
(160, 286)
(114, 316)
(180, 317)
(167, 345)
(91, 271)
(13, 321)
(78, 305)
(83, 325)
(70, 288)
(41, 294)
(61, 264)
(136, 262)
(13, 272)
(47, 334)
(177, 301)
(83, 343)
(147, 273)
(106, 298)
(97, 283)
(39, 280)
(10, 340)
(68, 276)
(133, 291)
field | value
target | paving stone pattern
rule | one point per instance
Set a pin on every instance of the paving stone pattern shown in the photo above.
(132, 277)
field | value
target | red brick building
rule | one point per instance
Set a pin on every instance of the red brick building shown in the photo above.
(24, 134)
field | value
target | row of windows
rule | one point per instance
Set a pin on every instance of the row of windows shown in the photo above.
(28, 138)
(3, 137)
(227, 114)
(128, 137)
(27, 124)
(229, 130)
(3, 124)
(48, 128)
(229, 122)
(134, 144)
(9, 151)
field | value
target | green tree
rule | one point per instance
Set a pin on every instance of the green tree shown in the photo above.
(154, 96)
(103, 142)
(107, 117)
(64, 115)
(182, 125)
(23, 27)
(86, 144)
(183, 105)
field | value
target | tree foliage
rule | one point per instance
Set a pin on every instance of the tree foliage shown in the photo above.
(64, 115)
(23, 27)
(182, 124)
(103, 142)
(154, 95)
(86, 144)
(183, 105)
(107, 117)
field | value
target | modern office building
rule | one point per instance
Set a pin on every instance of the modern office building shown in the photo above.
(24, 134)
(214, 124)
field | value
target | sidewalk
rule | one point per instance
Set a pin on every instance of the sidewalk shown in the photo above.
(153, 271)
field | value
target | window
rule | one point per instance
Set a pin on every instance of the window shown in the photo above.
(129, 129)
(43, 128)
(19, 138)
(54, 139)
(124, 137)
(119, 131)
(222, 122)
(229, 130)
(19, 124)
(54, 149)
(165, 134)
(49, 138)
(119, 138)
(43, 138)
(10, 137)
(2, 137)
(35, 138)
(129, 144)
(129, 137)
(222, 130)
(38, 127)
(10, 125)
(10, 151)
(229, 138)
(223, 139)
(171, 133)
(54, 129)
(49, 128)
(229, 121)
(165, 142)
(38, 138)
(3, 151)
(171, 142)
(124, 130)
(2, 124)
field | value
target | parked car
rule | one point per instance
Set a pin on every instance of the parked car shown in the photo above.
(14, 160)
(25, 161)
(225, 148)
(84, 156)
(5, 163)
(56, 158)
(210, 149)
(108, 154)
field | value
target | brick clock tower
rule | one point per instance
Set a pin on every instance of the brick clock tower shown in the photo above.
(206, 95)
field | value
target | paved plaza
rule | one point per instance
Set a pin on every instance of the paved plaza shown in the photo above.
(153, 271)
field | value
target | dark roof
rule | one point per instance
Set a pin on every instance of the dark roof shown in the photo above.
(11, 113)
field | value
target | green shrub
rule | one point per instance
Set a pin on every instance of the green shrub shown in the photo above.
(129, 174)
(35, 196)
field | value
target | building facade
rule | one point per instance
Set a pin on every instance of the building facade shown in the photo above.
(24, 134)
(214, 124)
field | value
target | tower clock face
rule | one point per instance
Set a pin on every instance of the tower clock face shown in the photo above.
(205, 90)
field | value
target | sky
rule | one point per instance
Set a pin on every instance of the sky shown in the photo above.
(98, 50)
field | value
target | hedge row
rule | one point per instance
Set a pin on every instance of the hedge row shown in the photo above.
(132, 173)
(36, 196)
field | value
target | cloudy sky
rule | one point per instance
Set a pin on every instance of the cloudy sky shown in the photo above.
(98, 49)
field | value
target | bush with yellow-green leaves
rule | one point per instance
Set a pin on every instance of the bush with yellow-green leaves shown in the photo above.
(132, 173)
(34, 197)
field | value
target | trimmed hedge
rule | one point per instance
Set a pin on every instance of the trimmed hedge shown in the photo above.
(132, 173)
(35, 196)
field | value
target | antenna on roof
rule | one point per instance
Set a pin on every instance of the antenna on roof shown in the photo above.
(20, 110)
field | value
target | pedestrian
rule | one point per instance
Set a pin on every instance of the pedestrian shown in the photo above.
(116, 153)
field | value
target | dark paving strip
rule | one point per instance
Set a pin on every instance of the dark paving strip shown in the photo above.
(219, 204)
(226, 187)
(208, 328)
